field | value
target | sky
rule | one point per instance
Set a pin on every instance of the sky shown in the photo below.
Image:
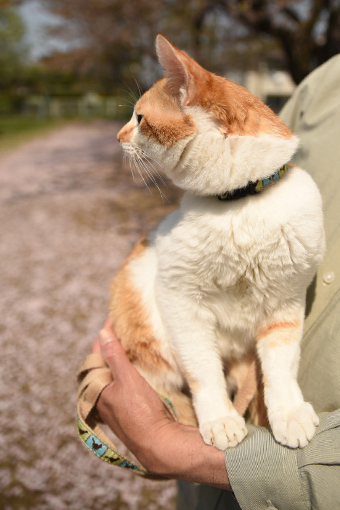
(37, 19)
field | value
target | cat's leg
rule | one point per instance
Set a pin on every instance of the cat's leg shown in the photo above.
(219, 422)
(292, 420)
(194, 342)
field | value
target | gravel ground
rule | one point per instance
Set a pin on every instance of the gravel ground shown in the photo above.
(70, 213)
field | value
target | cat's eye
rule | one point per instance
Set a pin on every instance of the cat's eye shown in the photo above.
(139, 118)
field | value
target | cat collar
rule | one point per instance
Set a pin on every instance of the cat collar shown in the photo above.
(252, 188)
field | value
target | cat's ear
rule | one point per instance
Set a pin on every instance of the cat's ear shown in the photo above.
(182, 73)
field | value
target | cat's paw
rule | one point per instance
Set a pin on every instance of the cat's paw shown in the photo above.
(294, 427)
(224, 432)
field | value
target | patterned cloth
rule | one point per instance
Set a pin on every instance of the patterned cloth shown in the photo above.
(93, 376)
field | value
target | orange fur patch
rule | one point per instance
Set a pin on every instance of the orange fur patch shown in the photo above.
(243, 375)
(133, 328)
(266, 330)
(131, 321)
(257, 408)
(237, 110)
(249, 397)
(163, 119)
(285, 333)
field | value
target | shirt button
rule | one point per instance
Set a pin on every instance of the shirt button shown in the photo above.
(328, 277)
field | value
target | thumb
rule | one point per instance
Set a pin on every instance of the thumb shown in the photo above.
(113, 352)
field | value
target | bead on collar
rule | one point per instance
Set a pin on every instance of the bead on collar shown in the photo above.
(252, 188)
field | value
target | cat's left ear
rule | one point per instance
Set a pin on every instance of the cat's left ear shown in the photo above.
(182, 73)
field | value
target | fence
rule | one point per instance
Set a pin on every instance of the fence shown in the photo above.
(44, 106)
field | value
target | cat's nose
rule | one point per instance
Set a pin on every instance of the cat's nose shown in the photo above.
(125, 134)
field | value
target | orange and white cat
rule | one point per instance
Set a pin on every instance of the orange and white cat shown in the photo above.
(219, 282)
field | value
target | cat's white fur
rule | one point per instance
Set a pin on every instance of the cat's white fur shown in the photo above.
(221, 279)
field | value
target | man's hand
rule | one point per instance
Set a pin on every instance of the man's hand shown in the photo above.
(129, 406)
(135, 413)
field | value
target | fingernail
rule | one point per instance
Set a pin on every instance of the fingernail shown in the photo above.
(105, 336)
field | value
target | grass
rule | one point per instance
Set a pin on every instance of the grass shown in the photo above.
(17, 129)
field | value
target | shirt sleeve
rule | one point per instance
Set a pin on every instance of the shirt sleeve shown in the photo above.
(265, 475)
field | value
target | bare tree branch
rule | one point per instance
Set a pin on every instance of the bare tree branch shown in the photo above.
(117, 33)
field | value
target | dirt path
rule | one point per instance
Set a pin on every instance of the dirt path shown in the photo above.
(69, 215)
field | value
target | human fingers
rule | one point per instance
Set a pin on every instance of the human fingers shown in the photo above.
(113, 353)
(95, 349)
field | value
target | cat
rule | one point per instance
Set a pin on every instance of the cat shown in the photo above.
(221, 282)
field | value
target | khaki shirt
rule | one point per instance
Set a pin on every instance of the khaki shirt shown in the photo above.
(262, 473)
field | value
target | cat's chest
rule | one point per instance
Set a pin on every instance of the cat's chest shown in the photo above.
(230, 264)
(218, 247)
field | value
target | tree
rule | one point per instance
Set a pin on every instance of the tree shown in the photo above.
(118, 36)
(114, 35)
(307, 30)
(12, 47)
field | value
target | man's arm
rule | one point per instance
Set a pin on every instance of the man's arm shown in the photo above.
(263, 474)
(135, 413)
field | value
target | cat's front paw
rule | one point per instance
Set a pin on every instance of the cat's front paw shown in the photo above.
(294, 427)
(224, 432)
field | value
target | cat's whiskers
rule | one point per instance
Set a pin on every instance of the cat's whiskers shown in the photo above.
(131, 104)
(147, 157)
(131, 153)
(148, 172)
(139, 89)
(154, 171)
(131, 169)
(125, 162)
(140, 160)
(135, 162)
(126, 158)
(130, 92)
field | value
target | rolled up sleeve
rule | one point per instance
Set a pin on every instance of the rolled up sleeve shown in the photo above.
(265, 475)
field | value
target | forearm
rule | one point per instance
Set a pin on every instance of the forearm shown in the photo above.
(180, 453)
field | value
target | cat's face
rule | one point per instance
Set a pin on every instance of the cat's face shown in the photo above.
(210, 135)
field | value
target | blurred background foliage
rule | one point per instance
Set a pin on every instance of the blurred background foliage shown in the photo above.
(90, 54)
(298, 35)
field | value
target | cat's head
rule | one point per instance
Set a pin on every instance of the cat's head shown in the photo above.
(209, 134)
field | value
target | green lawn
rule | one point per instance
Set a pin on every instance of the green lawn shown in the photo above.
(16, 129)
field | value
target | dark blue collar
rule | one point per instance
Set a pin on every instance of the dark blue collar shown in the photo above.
(252, 188)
